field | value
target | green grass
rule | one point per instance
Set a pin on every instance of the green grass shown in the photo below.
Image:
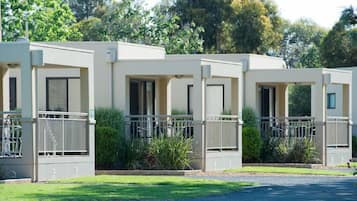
(353, 165)
(118, 188)
(287, 170)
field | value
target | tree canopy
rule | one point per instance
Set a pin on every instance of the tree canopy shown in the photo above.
(49, 20)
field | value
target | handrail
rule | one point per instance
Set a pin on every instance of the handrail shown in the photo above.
(158, 115)
(287, 118)
(63, 113)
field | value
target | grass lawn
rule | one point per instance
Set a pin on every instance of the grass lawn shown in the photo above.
(353, 164)
(118, 188)
(287, 170)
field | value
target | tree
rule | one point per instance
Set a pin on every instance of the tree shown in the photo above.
(209, 14)
(300, 100)
(92, 29)
(165, 30)
(301, 44)
(47, 20)
(83, 9)
(255, 26)
(339, 47)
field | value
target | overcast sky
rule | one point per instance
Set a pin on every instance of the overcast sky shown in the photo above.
(323, 12)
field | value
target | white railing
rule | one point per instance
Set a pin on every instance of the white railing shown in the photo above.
(287, 127)
(222, 132)
(151, 126)
(11, 135)
(337, 131)
(62, 133)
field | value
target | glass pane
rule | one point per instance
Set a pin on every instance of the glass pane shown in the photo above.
(57, 95)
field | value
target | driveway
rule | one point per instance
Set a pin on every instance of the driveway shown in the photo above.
(289, 188)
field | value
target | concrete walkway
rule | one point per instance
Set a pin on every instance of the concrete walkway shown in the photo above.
(289, 188)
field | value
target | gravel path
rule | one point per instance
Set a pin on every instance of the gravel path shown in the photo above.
(290, 188)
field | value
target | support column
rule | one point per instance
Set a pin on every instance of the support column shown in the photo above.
(163, 96)
(318, 111)
(199, 111)
(234, 96)
(282, 100)
(347, 111)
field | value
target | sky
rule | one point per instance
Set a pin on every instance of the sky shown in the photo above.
(324, 12)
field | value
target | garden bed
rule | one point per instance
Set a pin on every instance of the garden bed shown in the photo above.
(292, 165)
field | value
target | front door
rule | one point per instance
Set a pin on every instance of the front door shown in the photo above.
(267, 107)
(142, 97)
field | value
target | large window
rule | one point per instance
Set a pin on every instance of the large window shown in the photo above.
(63, 94)
(214, 99)
(13, 91)
(331, 101)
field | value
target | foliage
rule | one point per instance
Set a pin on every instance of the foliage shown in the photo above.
(47, 20)
(288, 170)
(133, 154)
(339, 48)
(255, 26)
(106, 147)
(209, 14)
(251, 144)
(249, 117)
(92, 29)
(121, 187)
(83, 9)
(293, 150)
(300, 100)
(170, 153)
(301, 42)
(354, 146)
(178, 112)
(108, 117)
(109, 137)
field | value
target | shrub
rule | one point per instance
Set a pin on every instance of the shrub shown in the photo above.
(251, 144)
(354, 146)
(108, 117)
(178, 112)
(169, 153)
(133, 153)
(106, 143)
(302, 151)
(249, 117)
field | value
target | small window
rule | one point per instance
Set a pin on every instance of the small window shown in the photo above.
(13, 99)
(331, 101)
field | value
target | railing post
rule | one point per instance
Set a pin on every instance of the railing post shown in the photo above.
(63, 135)
(221, 136)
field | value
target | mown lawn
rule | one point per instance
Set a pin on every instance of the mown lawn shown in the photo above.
(118, 188)
(353, 165)
(288, 170)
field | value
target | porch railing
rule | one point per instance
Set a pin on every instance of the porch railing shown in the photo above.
(337, 131)
(222, 132)
(11, 135)
(62, 133)
(151, 126)
(288, 127)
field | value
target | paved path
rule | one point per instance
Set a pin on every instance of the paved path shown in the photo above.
(290, 188)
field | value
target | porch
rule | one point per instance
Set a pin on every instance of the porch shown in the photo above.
(44, 145)
(216, 138)
(331, 135)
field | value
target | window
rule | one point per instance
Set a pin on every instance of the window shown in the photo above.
(57, 94)
(331, 101)
(13, 100)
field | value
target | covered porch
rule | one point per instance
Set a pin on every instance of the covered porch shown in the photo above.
(267, 92)
(147, 106)
(49, 144)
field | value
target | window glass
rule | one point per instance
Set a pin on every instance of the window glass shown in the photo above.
(57, 99)
(13, 98)
(331, 100)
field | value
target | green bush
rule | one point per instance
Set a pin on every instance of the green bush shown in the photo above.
(249, 117)
(108, 117)
(106, 143)
(279, 150)
(251, 144)
(134, 153)
(169, 153)
(354, 146)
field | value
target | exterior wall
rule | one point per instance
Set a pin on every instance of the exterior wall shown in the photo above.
(223, 160)
(338, 91)
(249, 61)
(102, 67)
(179, 99)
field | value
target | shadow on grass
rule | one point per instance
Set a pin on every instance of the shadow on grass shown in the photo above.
(112, 191)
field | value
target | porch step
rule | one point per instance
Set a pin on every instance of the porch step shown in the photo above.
(296, 165)
(16, 181)
(149, 172)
